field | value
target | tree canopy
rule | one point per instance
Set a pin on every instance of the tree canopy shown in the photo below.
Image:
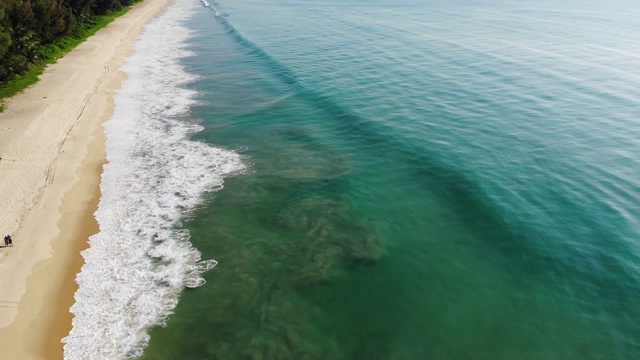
(28, 26)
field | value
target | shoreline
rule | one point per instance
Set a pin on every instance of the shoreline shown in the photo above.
(52, 146)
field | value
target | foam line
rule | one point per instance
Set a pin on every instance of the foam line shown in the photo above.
(139, 262)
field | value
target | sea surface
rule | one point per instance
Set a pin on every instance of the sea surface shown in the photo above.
(376, 180)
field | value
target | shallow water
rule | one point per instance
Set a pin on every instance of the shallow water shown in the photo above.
(427, 180)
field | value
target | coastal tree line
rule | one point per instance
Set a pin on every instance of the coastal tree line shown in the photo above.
(36, 31)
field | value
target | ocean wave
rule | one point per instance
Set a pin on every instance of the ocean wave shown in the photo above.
(139, 262)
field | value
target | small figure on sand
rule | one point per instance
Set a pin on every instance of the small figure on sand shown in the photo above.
(8, 241)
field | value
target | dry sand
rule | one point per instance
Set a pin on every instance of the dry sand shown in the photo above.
(52, 150)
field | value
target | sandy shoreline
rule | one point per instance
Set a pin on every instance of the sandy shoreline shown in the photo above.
(52, 149)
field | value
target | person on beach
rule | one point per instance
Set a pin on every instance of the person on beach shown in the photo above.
(8, 241)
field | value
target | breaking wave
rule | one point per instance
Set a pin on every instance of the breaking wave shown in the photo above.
(139, 262)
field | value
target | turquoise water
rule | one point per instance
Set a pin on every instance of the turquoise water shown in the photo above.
(427, 180)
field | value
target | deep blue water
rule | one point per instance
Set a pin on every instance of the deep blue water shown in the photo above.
(428, 180)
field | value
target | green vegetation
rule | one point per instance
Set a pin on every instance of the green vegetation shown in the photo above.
(35, 33)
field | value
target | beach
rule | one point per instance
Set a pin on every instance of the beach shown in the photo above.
(52, 153)
(335, 179)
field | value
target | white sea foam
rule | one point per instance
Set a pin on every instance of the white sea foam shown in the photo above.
(136, 267)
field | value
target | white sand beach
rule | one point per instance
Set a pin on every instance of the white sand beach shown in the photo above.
(52, 150)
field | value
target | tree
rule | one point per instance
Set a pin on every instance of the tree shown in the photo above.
(28, 26)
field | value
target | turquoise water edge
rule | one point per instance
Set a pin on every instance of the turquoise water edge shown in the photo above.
(426, 180)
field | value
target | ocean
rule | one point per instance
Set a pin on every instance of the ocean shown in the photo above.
(293, 179)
